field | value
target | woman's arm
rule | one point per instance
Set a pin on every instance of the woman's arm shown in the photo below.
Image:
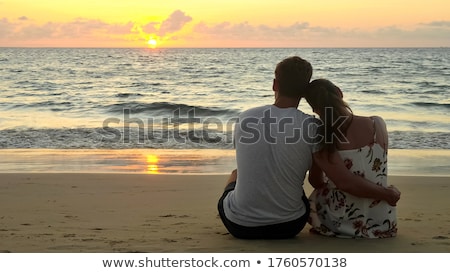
(346, 181)
(381, 132)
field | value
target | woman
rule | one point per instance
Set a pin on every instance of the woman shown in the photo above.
(362, 142)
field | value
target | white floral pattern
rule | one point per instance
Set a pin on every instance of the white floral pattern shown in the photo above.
(339, 214)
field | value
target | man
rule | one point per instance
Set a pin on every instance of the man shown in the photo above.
(275, 144)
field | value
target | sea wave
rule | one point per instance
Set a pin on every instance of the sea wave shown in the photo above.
(127, 137)
(127, 95)
(419, 140)
(52, 105)
(116, 138)
(167, 107)
(431, 104)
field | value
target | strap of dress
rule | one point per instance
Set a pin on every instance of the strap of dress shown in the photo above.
(374, 131)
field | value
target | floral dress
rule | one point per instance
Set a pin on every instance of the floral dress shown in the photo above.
(339, 214)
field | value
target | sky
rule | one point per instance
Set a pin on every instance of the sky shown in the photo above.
(230, 23)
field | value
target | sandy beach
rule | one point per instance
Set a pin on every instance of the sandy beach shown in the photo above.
(117, 212)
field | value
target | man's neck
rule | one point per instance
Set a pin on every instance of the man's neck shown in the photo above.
(285, 102)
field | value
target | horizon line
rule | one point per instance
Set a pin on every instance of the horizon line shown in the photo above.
(287, 47)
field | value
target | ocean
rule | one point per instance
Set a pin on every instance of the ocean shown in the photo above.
(82, 98)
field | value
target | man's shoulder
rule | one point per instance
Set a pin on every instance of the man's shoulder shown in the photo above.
(310, 118)
(261, 110)
(254, 111)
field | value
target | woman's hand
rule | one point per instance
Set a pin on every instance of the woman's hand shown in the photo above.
(394, 195)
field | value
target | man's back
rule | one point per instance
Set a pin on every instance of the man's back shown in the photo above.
(273, 152)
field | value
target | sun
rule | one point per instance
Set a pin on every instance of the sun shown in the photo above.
(152, 42)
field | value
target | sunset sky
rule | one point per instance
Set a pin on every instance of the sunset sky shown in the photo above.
(231, 23)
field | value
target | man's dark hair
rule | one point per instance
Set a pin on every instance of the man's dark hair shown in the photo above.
(293, 75)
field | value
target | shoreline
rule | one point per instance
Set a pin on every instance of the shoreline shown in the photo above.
(411, 162)
(129, 213)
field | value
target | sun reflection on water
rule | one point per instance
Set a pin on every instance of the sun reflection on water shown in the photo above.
(152, 164)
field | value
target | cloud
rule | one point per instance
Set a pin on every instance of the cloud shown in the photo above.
(425, 34)
(443, 24)
(164, 30)
(301, 34)
(247, 31)
(6, 27)
(174, 23)
(77, 28)
(296, 34)
(85, 27)
(151, 27)
(24, 31)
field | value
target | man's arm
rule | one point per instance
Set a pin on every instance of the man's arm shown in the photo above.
(315, 176)
(346, 181)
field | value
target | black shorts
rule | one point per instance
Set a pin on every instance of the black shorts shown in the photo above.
(277, 231)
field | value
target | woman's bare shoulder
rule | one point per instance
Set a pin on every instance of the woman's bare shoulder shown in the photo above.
(378, 121)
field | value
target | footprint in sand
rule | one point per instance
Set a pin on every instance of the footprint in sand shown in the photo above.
(440, 237)
(175, 216)
(169, 240)
(97, 229)
(167, 215)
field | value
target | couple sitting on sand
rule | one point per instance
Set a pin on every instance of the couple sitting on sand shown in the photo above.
(276, 145)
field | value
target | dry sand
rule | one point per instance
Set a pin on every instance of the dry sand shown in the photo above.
(104, 213)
